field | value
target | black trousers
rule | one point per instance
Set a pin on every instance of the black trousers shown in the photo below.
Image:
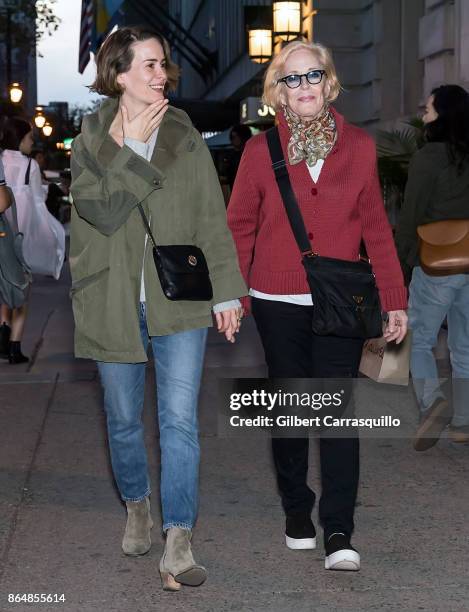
(293, 351)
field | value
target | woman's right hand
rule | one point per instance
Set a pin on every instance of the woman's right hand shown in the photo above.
(142, 126)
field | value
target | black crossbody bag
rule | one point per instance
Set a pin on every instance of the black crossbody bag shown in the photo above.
(182, 269)
(345, 298)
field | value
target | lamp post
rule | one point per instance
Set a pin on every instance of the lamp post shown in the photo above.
(291, 20)
(9, 6)
(8, 44)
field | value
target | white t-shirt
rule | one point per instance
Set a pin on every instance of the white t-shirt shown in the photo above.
(144, 149)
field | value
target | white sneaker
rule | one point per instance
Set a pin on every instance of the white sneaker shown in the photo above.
(340, 554)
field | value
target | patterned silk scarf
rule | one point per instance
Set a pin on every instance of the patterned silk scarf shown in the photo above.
(310, 140)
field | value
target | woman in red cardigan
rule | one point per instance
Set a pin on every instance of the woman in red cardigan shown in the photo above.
(332, 168)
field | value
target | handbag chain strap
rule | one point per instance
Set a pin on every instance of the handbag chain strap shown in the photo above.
(282, 177)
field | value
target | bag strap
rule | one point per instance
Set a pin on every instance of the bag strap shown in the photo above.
(146, 224)
(282, 177)
(28, 172)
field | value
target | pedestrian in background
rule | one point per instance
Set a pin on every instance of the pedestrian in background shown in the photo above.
(438, 189)
(42, 161)
(4, 204)
(17, 142)
(5, 329)
(43, 235)
(138, 148)
(332, 168)
(239, 135)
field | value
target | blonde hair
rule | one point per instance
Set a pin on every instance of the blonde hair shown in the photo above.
(272, 88)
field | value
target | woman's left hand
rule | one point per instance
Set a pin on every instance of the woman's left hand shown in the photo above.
(396, 327)
(229, 322)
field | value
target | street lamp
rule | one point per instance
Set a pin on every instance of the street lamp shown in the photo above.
(47, 129)
(287, 20)
(16, 93)
(260, 45)
(291, 20)
(39, 118)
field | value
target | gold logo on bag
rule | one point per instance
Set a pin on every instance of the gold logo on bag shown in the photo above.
(358, 298)
(192, 260)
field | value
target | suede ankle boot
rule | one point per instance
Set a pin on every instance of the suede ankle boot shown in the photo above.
(5, 331)
(177, 565)
(15, 355)
(137, 539)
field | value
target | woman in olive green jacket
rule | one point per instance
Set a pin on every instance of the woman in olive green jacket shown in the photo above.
(138, 149)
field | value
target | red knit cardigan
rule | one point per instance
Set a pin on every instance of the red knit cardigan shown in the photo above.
(344, 206)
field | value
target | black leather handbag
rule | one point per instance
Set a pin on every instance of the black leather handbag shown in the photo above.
(182, 269)
(345, 297)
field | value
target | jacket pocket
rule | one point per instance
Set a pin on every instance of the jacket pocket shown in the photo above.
(87, 281)
(90, 301)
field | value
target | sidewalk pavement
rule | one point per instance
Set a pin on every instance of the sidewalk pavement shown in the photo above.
(61, 521)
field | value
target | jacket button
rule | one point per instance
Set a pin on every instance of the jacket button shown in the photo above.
(156, 182)
(310, 235)
(314, 191)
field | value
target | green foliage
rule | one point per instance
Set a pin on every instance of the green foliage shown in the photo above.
(47, 21)
(395, 149)
(78, 111)
(23, 35)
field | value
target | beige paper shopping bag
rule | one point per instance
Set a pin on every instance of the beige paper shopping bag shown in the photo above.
(387, 362)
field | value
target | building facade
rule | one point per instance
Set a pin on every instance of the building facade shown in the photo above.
(444, 43)
(17, 62)
(389, 53)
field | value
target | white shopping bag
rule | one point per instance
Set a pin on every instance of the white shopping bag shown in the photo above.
(43, 235)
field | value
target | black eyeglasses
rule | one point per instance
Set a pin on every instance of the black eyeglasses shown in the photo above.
(294, 80)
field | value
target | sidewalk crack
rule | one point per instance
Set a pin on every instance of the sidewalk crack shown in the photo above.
(39, 343)
(27, 480)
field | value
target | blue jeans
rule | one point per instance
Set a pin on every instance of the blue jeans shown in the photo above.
(178, 364)
(432, 298)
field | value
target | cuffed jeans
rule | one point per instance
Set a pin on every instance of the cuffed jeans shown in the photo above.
(431, 299)
(178, 364)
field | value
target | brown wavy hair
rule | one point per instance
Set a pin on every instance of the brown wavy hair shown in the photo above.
(115, 57)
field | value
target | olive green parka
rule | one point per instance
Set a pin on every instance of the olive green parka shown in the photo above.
(180, 193)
